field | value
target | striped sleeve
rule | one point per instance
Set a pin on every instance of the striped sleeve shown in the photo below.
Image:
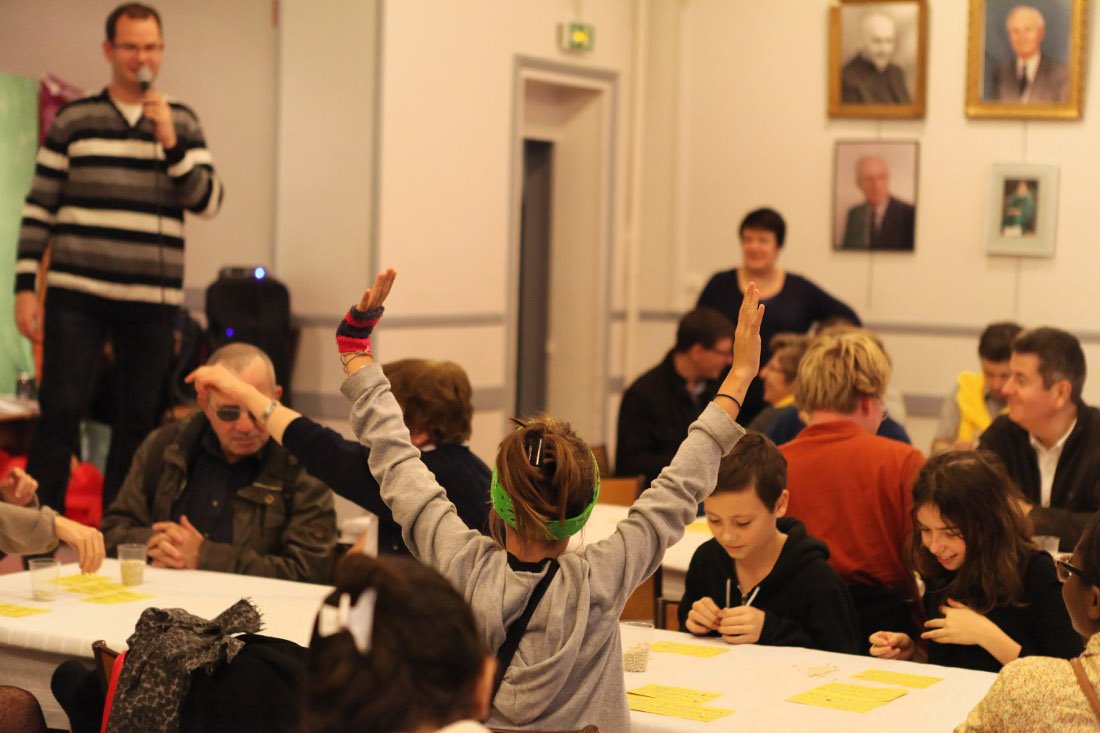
(40, 208)
(191, 167)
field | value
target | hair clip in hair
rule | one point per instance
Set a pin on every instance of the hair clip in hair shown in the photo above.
(357, 620)
(532, 443)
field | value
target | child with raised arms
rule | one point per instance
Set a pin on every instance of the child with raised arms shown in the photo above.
(762, 579)
(551, 615)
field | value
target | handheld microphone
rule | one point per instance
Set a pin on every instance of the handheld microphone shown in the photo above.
(145, 78)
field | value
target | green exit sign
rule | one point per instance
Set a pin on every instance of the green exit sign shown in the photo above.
(577, 36)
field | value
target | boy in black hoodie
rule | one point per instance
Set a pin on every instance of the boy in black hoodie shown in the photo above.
(762, 578)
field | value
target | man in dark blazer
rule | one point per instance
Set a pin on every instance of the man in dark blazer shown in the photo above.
(1048, 441)
(870, 77)
(1031, 77)
(882, 221)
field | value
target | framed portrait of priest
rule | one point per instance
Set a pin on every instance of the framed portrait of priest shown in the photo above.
(1026, 60)
(877, 51)
(875, 195)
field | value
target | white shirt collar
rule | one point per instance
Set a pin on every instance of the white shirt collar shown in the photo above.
(1048, 463)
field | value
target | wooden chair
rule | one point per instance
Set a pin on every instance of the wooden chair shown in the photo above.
(105, 658)
(668, 614)
(619, 490)
(600, 452)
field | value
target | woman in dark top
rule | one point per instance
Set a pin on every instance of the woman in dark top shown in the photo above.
(793, 303)
(990, 595)
(435, 397)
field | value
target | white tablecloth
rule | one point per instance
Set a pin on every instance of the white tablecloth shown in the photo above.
(31, 647)
(757, 680)
(677, 557)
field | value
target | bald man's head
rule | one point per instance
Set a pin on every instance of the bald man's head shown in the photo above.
(879, 39)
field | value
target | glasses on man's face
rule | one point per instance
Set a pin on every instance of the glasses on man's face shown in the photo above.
(133, 48)
(1065, 569)
(232, 413)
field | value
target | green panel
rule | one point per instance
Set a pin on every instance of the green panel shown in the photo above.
(18, 145)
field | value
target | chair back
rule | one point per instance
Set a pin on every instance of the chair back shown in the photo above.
(105, 658)
(620, 490)
(668, 614)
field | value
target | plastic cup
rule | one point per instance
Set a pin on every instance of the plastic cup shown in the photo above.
(1047, 542)
(131, 563)
(44, 574)
(637, 637)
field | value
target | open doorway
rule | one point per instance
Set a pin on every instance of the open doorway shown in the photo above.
(534, 276)
(562, 242)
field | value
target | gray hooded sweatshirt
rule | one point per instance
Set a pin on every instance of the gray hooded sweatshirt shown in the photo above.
(567, 671)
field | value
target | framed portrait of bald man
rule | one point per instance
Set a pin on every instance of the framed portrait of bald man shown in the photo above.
(875, 195)
(1026, 59)
(877, 58)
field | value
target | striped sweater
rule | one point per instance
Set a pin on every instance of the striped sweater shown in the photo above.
(112, 201)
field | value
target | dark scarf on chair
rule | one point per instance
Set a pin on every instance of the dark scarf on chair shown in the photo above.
(168, 644)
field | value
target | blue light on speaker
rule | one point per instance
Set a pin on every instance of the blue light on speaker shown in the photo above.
(229, 333)
(260, 273)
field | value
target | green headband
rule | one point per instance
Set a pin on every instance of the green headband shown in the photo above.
(557, 529)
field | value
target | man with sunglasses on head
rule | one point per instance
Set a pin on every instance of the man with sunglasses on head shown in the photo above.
(214, 492)
(114, 176)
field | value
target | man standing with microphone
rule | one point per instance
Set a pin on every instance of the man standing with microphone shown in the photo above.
(113, 178)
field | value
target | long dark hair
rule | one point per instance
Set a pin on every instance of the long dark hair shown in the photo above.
(424, 660)
(972, 492)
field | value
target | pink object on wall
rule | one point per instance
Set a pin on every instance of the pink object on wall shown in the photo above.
(53, 93)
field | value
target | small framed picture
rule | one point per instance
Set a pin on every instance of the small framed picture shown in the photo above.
(875, 195)
(1026, 61)
(1023, 202)
(877, 58)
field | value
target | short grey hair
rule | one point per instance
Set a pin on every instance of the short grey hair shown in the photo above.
(1026, 9)
(238, 356)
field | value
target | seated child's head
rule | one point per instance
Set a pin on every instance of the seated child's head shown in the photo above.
(545, 481)
(435, 397)
(751, 494)
(1080, 576)
(395, 648)
(966, 520)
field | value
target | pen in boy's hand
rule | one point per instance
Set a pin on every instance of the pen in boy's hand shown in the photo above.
(752, 596)
(727, 593)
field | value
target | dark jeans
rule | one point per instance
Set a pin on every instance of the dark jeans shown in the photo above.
(74, 338)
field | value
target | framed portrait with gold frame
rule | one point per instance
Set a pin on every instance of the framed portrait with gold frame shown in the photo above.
(1026, 61)
(877, 58)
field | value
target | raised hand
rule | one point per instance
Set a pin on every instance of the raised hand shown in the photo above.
(746, 353)
(374, 297)
(353, 333)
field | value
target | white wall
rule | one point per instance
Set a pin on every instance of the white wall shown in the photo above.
(445, 155)
(757, 134)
